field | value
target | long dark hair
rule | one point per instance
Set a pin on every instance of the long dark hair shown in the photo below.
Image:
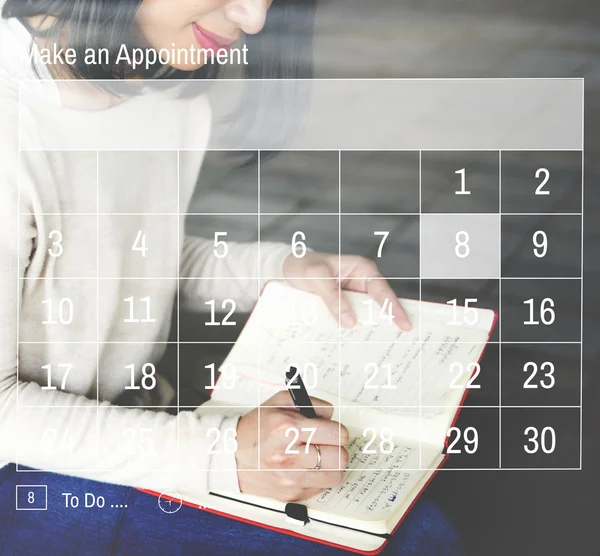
(282, 50)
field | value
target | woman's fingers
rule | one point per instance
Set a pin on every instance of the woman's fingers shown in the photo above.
(328, 288)
(332, 457)
(322, 431)
(383, 294)
(283, 399)
(292, 436)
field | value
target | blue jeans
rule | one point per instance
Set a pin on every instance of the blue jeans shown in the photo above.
(143, 529)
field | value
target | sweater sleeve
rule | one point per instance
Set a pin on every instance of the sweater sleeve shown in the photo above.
(63, 432)
(242, 273)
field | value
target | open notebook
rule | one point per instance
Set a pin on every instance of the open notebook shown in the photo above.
(397, 392)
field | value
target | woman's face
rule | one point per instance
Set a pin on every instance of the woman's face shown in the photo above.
(200, 24)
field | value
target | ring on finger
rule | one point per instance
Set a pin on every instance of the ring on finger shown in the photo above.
(319, 457)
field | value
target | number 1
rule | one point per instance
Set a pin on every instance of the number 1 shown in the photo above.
(463, 185)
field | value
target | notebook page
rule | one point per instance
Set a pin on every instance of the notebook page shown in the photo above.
(395, 369)
(375, 485)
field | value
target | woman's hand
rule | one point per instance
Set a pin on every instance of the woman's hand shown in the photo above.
(314, 273)
(290, 476)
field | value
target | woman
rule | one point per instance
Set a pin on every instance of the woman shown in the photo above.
(55, 405)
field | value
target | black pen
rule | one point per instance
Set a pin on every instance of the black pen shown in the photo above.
(297, 390)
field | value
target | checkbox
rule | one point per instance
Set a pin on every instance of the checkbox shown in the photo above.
(32, 497)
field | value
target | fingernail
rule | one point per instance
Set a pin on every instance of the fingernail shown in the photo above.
(347, 320)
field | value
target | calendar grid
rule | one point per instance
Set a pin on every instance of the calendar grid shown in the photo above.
(421, 280)
(504, 283)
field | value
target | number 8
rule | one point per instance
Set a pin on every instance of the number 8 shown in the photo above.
(460, 243)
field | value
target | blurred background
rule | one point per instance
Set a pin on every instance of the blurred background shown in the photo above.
(496, 512)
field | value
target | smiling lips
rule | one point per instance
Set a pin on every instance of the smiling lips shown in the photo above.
(211, 41)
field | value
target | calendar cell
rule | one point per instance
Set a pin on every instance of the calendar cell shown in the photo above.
(463, 296)
(294, 432)
(138, 246)
(218, 308)
(472, 441)
(61, 367)
(147, 374)
(78, 179)
(58, 306)
(378, 182)
(534, 246)
(542, 182)
(408, 289)
(228, 183)
(541, 310)
(141, 442)
(482, 388)
(541, 375)
(220, 235)
(379, 314)
(299, 182)
(63, 432)
(460, 182)
(143, 309)
(379, 444)
(114, 188)
(366, 380)
(69, 244)
(200, 371)
(390, 241)
(303, 233)
(541, 438)
(316, 361)
(460, 246)
(222, 442)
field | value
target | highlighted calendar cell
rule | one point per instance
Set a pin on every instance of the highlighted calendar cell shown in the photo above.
(460, 246)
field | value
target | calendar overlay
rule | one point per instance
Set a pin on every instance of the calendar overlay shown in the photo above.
(468, 193)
